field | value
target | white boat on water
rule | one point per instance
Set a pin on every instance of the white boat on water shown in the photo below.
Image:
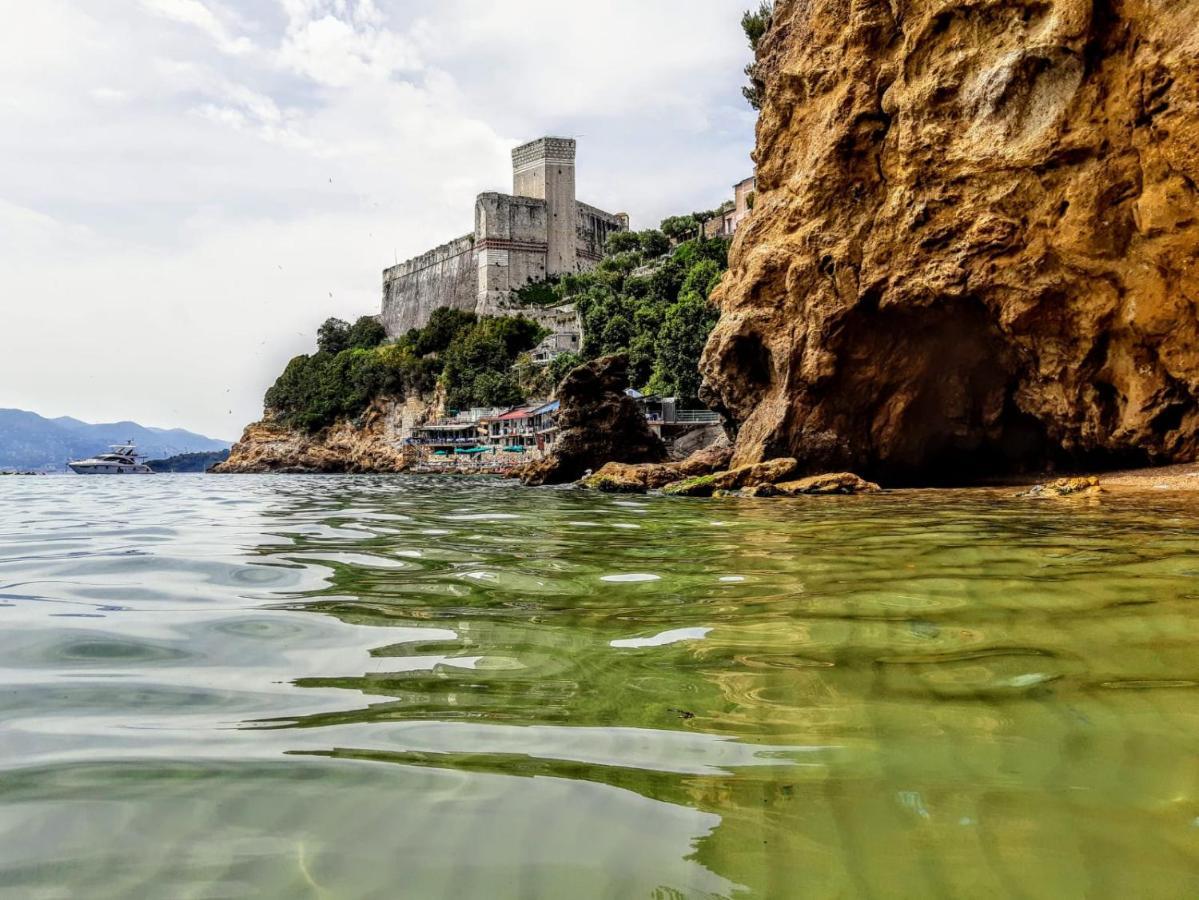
(121, 459)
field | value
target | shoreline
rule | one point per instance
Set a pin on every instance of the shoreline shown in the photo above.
(1175, 478)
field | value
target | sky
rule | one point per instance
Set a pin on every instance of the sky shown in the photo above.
(188, 188)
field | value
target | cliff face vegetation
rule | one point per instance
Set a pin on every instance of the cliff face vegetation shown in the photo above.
(975, 239)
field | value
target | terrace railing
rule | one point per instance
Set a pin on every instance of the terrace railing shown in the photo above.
(696, 416)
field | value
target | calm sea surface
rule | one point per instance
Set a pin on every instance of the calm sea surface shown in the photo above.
(391, 687)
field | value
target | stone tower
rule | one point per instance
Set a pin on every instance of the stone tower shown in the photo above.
(544, 169)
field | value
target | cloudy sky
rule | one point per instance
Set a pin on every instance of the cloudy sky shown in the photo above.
(189, 187)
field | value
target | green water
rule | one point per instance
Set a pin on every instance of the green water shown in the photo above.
(390, 687)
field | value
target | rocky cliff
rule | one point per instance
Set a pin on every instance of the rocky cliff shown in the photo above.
(975, 239)
(597, 424)
(371, 443)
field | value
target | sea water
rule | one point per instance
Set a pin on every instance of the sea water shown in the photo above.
(387, 687)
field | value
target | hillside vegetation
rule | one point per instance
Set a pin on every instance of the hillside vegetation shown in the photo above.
(648, 297)
(472, 357)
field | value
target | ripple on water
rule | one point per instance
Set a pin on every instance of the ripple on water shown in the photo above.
(629, 697)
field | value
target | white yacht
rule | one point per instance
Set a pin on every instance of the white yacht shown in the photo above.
(121, 459)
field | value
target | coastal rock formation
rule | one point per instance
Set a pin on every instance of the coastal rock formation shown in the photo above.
(1066, 487)
(369, 444)
(598, 424)
(629, 478)
(752, 475)
(975, 241)
(830, 483)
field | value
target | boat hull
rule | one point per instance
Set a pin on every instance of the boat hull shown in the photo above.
(108, 469)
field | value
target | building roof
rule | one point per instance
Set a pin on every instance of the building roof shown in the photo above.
(550, 407)
(522, 413)
(447, 426)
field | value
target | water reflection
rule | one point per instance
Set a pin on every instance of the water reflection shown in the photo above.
(357, 686)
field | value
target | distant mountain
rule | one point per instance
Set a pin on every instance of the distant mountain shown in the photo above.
(30, 441)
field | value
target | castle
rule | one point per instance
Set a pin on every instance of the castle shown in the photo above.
(538, 231)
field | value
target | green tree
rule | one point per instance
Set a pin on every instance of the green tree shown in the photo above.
(653, 243)
(333, 336)
(444, 325)
(478, 362)
(560, 365)
(680, 342)
(475, 357)
(365, 334)
(622, 242)
(679, 228)
(702, 277)
(755, 24)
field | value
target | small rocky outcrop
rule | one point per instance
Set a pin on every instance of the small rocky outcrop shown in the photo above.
(598, 423)
(1064, 487)
(831, 483)
(975, 242)
(628, 478)
(371, 443)
(753, 475)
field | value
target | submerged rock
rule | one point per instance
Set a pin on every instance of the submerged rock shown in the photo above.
(974, 245)
(598, 424)
(832, 483)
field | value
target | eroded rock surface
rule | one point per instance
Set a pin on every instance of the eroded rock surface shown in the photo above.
(371, 443)
(1066, 487)
(637, 478)
(829, 483)
(597, 424)
(751, 475)
(975, 239)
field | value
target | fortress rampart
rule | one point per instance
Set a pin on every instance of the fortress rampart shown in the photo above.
(538, 231)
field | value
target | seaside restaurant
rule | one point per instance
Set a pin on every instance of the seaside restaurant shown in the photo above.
(512, 430)
(445, 437)
(525, 428)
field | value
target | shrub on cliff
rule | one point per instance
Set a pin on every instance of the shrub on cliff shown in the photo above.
(444, 325)
(336, 335)
(478, 363)
(755, 24)
(365, 334)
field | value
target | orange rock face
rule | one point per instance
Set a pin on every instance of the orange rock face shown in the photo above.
(371, 444)
(975, 241)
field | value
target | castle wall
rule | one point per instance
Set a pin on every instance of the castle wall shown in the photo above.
(510, 237)
(445, 276)
(537, 232)
(592, 227)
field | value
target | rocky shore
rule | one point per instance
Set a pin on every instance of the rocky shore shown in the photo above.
(370, 443)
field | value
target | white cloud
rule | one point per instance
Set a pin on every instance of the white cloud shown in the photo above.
(195, 13)
(216, 170)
